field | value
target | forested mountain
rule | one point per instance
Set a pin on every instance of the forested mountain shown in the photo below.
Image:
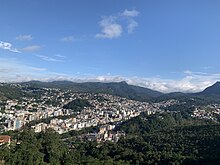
(115, 88)
(122, 89)
(125, 90)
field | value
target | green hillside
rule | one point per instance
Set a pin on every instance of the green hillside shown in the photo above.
(9, 92)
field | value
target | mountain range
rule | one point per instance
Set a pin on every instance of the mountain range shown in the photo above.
(115, 88)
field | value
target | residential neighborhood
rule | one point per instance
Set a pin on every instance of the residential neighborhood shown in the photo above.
(104, 109)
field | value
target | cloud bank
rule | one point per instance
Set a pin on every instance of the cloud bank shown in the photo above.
(12, 71)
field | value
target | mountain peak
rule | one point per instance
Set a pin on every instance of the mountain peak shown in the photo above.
(123, 82)
(213, 90)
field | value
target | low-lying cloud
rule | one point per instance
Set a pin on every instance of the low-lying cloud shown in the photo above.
(187, 84)
(13, 71)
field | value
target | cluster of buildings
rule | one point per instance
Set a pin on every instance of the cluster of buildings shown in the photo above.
(5, 139)
(48, 103)
(105, 133)
(44, 108)
(210, 112)
(111, 109)
(16, 114)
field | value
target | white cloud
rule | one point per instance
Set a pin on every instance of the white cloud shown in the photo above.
(50, 59)
(131, 26)
(60, 56)
(112, 26)
(8, 46)
(37, 69)
(15, 50)
(110, 29)
(68, 39)
(130, 13)
(24, 37)
(31, 48)
(129, 16)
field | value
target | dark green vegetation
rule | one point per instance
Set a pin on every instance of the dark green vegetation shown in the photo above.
(147, 124)
(166, 138)
(172, 138)
(77, 105)
(46, 148)
(10, 92)
(35, 149)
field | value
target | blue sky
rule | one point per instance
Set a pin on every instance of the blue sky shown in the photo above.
(164, 45)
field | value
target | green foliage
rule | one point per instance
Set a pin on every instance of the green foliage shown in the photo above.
(4, 152)
(17, 107)
(9, 92)
(54, 151)
(36, 149)
(27, 152)
(147, 124)
(77, 105)
(178, 145)
(167, 138)
(158, 139)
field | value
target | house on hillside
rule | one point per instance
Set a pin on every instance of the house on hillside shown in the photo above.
(5, 139)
